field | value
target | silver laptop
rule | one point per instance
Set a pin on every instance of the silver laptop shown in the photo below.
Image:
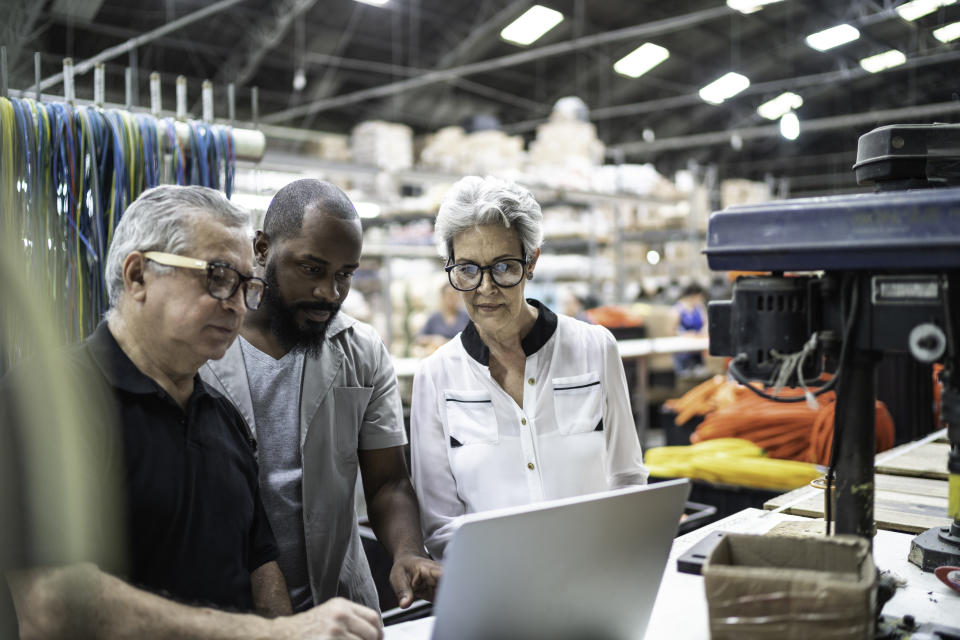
(581, 568)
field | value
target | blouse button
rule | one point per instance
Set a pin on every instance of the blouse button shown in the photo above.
(523, 421)
(531, 380)
(530, 466)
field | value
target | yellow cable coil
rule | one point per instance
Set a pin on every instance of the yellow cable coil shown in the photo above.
(729, 461)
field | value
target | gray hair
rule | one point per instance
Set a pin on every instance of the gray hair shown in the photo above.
(474, 201)
(162, 219)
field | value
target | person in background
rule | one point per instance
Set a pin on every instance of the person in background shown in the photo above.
(689, 317)
(572, 305)
(202, 556)
(443, 324)
(526, 405)
(318, 392)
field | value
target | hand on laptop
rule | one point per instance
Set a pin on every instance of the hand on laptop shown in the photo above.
(414, 577)
(335, 618)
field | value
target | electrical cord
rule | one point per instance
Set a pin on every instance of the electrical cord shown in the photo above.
(828, 386)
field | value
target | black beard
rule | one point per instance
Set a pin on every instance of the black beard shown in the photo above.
(283, 323)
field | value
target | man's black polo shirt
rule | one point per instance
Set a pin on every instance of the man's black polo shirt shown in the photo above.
(196, 525)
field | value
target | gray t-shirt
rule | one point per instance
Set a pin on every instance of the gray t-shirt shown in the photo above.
(275, 392)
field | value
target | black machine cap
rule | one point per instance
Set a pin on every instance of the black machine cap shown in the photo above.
(909, 156)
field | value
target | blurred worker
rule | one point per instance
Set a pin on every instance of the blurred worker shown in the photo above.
(443, 324)
(689, 318)
(527, 405)
(572, 305)
(318, 392)
(179, 283)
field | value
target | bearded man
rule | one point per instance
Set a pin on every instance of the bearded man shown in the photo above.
(319, 394)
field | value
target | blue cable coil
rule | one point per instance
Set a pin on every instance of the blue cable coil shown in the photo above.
(68, 173)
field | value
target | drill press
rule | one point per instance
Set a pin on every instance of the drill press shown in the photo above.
(853, 277)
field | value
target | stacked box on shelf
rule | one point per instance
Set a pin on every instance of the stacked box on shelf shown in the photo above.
(737, 191)
(453, 150)
(566, 151)
(575, 222)
(383, 144)
(329, 146)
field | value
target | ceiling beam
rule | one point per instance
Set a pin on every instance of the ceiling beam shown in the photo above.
(638, 31)
(806, 126)
(477, 40)
(829, 78)
(243, 64)
(138, 41)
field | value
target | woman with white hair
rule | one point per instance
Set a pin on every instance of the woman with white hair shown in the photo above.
(526, 405)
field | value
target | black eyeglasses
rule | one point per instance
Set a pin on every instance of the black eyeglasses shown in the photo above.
(222, 279)
(468, 276)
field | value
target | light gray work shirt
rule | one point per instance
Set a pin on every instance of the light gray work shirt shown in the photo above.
(275, 392)
(348, 401)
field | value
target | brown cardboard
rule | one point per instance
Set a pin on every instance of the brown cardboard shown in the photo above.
(790, 588)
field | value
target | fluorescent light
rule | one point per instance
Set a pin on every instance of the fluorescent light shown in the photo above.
(773, 109)
(640, 60)
(790, 126)
(367, 209)
(918, 8)
(832, 37)
(885, 60)
(749, 6)
(376, 3)
(724, 87)
(534, 22)
(948, 33)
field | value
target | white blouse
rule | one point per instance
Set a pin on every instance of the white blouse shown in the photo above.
(474, 449)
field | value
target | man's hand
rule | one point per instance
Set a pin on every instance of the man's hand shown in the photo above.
(414, 577)
(337, 618)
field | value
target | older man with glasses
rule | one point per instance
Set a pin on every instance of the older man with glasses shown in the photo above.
(179, 283)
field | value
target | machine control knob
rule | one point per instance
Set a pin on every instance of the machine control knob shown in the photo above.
(927, 342)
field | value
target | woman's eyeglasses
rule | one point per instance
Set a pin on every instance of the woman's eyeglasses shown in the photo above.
(222, 279)
(468, 276)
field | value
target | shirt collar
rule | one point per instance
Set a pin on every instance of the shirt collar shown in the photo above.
(542, 331)
(119, 370)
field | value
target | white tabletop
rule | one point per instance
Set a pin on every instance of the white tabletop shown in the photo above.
(680, 612)
(629, 349)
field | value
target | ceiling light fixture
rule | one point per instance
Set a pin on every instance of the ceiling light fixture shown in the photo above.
(749, 6)
(885, 60)
(947, 33)
(773, 109)
(918, 8)
(790, 126)
(530, 26)
(726, 86)
(299, 80)
(653, 257)
(832, 37)
(640, 60)
(376, 3)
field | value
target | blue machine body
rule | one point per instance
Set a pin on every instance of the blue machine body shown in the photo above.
(901, 231)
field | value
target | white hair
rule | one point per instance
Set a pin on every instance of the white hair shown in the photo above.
(162, 219)
(474, 201)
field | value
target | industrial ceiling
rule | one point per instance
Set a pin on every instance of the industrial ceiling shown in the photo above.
(432, 63)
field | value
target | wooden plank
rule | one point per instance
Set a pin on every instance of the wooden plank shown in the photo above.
(899, 484)
(926, 461)
(911, 507)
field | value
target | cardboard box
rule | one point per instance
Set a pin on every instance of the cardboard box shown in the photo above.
(791, 588)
